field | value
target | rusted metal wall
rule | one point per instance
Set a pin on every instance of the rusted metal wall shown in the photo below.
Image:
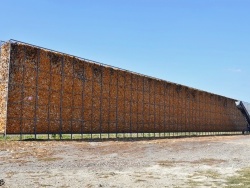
(51, 92)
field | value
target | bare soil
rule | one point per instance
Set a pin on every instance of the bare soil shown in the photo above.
(216, 161)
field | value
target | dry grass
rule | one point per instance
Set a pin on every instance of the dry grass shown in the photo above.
(200, 178)
(208, 161)
(205, 161)
(242, 179)
(48, 159)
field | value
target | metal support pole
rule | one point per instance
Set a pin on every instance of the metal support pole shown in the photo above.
(164, 109)
(189, 114)
(172, 112)
(61, 96)
(50, 92)
(143, 114)
(137, 106)
(101, 103)
(149, 105)
(154, 110)
(169, 109)
(109, 105)
(92, 111)
(36, 87)
(130, 114)
(124, 98)
(22, 95)
(83, 96)
(116, 125)
(73, 99)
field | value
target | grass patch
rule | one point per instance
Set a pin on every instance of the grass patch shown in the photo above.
(140, 180)
(207, 174)
(208, 161)
(242, 179)
(207, 178)
(48, 159)
(167, 163)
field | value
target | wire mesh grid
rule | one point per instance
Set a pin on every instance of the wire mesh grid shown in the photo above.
(56, 95)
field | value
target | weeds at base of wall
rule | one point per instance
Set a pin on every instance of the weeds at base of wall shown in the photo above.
(114, 136)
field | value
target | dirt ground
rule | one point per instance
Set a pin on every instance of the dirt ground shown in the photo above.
(216, 161)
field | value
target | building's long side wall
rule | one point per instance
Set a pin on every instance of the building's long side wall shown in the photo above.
(4, 63)
(54, 93)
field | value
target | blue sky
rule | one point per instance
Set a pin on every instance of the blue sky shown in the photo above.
(203, 44)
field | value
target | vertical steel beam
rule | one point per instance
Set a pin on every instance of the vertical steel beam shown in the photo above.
(116, 124)
(164, 109)
(130, 126)
(50, 92)
(174, 107)
(154, 110)
(137, 106)
(149, 104)
(101, 96)
(83, 97)
(22, 94)
(73, 98)
(61, 96)
(92, 106)
(36, 88)
(143, 114)
(109, 104)
(188, 113)
(124, 98)
(185, 117)
(169, 110)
